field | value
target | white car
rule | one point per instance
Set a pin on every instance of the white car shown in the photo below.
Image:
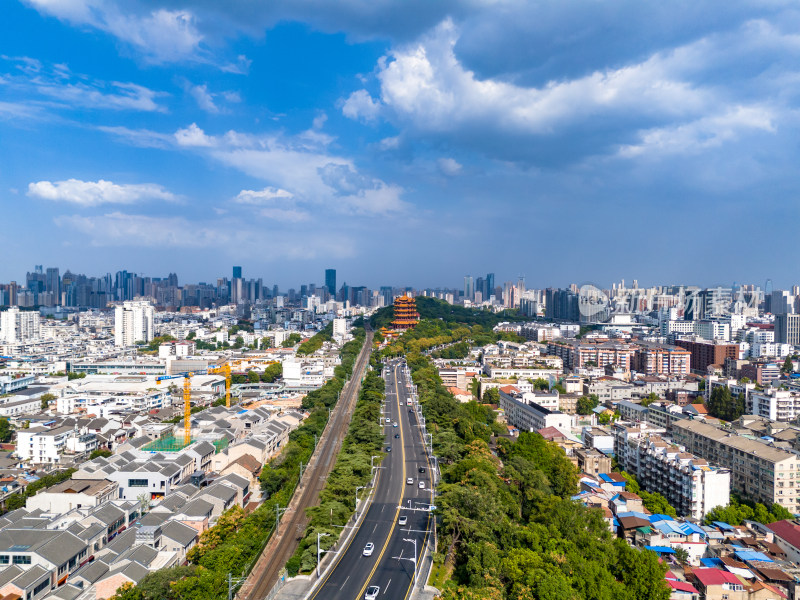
(402, 520)
(395, 424)
(422, 485)
(368, 549)
(372, 592)
(410, 481)
(388, 420)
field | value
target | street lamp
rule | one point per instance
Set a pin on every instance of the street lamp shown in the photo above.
(360, 487)
(413, 541)
(320, 552)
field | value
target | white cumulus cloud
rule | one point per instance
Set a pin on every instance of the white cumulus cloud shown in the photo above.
(360, 105)
(95, 193)
(193, 136)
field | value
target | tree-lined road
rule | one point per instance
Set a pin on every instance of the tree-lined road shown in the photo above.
(391, 566)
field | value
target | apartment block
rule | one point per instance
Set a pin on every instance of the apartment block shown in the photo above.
(529, 416)
(19, 326)
(705, 353)
(133, 322)
(654, 360)
(687, 482)
(760, 471)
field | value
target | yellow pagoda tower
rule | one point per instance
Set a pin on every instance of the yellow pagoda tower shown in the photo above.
(405, 313)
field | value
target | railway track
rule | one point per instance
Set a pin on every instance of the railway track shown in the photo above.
(293, 524)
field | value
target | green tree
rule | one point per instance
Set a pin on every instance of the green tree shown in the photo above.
(46, 400)
(585, 405)
(491, 396)
(291, 340)
(604, 419)
(682, 555)
(238, 342)
(649, 399)
(104, 452)
(272, 372)
(6, 431)
(788, 366)
(541, 384)
(191, 335)
(723, 405)
(253, 377)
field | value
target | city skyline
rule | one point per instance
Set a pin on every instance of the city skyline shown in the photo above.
(455, 282)
(405, 142)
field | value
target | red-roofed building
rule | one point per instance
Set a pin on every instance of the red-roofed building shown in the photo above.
(716, 584)
(682, 590)
(787, 536)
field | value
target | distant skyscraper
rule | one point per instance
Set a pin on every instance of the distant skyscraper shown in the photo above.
(330, 281)
(489, 286)
(469, 288)
(237, 272)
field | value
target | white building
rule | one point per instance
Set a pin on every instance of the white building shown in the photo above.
(712, 330)
(776, 405)
(19, 326)
(41, 445)
(339, 327)
(133, 322)
(689, 483)
(529, 416)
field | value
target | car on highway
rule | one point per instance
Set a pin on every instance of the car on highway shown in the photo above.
(388, 448)
(421, 469)
(368, 549)
(410, 481)
(396, 435)
(408, 403)
(388, 420)
(394, 424)
(372, 592)
(421, 485)
(402, 520)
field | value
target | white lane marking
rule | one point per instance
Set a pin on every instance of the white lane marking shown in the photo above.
(374, 528)
(345, 583)
(386, 589)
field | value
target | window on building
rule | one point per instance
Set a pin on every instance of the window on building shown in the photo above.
(21, 560)
(42, 586)
(137, 482)
(4, 559)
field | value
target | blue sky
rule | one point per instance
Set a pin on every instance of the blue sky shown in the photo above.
(402, 142)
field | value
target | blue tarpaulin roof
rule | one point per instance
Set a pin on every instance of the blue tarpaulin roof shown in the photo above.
(746, 555)
(661, 549)
(656, 518)
(690, 528)
(711, 562)
(668, 527)
(724, 526)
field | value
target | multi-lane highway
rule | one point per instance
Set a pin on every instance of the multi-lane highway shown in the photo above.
(284, 542)
(391, 566)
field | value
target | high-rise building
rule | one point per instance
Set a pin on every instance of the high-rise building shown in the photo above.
(489, 286)
(787, 328)
(330, 281)
(18, 326)
(469, 288)
(237, 272)
(782, 302)
(52, 283)
(133, 322)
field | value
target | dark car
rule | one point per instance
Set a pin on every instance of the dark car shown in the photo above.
(396, 435)
(388, 448)
(422, 469)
